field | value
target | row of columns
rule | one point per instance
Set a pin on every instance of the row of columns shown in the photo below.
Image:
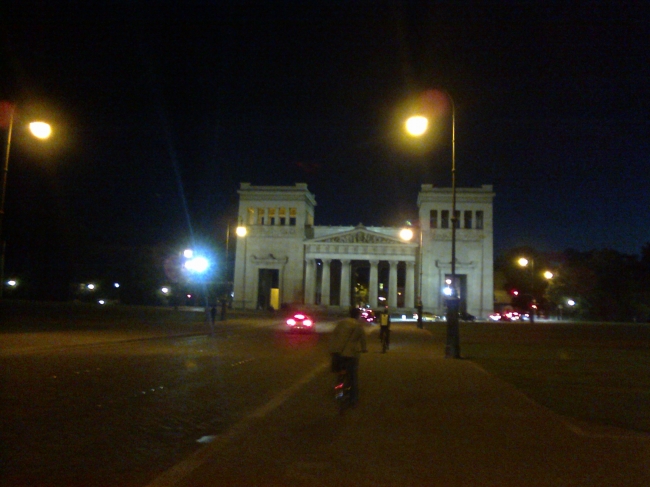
(373, 285)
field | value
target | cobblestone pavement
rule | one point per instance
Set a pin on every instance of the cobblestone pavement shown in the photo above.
(112, 408)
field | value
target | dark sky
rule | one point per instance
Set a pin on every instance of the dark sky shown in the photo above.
(161, 108)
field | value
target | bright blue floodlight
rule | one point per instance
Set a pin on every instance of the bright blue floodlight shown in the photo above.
(197, 264)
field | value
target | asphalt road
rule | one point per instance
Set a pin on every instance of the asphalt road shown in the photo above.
(118, 407)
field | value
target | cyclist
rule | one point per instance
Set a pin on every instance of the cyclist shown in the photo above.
(384, 329)
(348, 341)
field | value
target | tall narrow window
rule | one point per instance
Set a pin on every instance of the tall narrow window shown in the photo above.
(250, 217)
(468, 219)
(444, 219)
(479, 220)
(433, 219)
(292, 216)
(282, 215)
(271, 216)
(260, 216)
(457, 219)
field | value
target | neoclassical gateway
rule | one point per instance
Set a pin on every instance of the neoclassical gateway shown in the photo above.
(285, 259)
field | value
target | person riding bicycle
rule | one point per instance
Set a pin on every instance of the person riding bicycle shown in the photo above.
(384, 326)
(347, 342)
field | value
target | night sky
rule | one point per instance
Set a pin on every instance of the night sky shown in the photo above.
(161, 108)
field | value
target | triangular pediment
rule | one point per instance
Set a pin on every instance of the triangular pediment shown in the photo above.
(359, 235)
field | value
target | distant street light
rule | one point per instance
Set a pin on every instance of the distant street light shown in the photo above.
(406, 234)
(40, 130)
(416, 126)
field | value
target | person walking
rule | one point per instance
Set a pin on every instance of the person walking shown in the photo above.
(347, 343)
(384, 328)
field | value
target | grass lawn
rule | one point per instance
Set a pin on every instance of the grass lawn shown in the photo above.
(589, 371)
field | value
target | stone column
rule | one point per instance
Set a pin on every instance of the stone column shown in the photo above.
(325, 285)
(310, 281)
(392, 284)
(373, 285)
(409, 294)
(345, 284)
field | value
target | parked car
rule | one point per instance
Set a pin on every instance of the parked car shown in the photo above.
(465, 316)
(413, 317)
(404, 317)
(506, 316)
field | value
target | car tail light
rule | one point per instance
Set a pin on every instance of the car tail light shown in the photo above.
(291, 322)
(307, 323)
(300, 317)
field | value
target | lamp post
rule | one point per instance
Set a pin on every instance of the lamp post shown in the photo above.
(406, 234)
(227, 270)
(40, 130)
(524, 262)
(241, 231)
(417, 126)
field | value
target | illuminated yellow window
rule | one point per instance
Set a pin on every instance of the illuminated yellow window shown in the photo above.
(271, 216)
(292, 216)
(260, 216)
(282, 216)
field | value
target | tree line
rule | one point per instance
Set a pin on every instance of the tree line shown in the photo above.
(598, 285)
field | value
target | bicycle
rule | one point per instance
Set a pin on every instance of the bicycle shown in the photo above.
(342, 390)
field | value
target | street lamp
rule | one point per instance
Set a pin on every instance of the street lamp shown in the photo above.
(406, 234)
(40, 130)
(524, 262)
(417, 126)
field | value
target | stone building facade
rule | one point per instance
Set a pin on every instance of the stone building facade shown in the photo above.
(285, 259)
